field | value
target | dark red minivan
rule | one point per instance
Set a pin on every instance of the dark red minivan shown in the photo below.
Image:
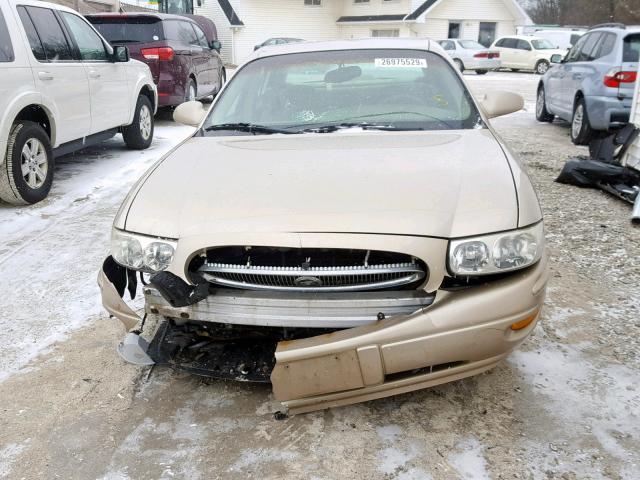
(184, 60)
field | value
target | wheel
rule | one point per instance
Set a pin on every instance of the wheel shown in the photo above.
(581, 131)
(459, 64)
(191, 92)
(542, 67)
(516, 70)
(27, 173)
(139, 134)
(542, 114)
(482, 72)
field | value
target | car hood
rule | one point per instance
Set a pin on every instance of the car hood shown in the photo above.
(438, 184)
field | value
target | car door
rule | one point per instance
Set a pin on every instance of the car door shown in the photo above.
(59, 76)
(507, 47)
(188, 57)
(578, 68)
(211, 64)
(525, 54)
(110, 98)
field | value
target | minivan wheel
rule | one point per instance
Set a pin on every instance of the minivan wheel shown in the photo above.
(139, 135)
(581, 131)
(542, 67)
(27, 174)
(191, 92)
(542, 114)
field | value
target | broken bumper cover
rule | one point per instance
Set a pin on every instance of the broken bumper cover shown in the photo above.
(462, 333)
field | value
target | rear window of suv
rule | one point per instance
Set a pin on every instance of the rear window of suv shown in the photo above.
(121, 30)
(631, 50)
(6, 50)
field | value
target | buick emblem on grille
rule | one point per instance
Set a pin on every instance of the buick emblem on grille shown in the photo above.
(307, 282)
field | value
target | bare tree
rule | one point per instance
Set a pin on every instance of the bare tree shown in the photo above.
(585, 12)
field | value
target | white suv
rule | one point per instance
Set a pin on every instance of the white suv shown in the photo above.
(62, 88)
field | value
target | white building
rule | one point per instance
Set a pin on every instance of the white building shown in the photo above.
(245, 23)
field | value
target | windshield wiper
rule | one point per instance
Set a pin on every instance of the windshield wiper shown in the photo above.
(248, 127)
(334, 127)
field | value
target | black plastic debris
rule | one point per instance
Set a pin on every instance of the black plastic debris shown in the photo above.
(604, 169)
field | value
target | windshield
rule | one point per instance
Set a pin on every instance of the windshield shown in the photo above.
(471, 45)
(542, 45)
(129, 30)
(394, 89)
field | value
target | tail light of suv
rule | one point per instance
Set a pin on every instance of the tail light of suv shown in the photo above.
(616, 78)
(163, 54)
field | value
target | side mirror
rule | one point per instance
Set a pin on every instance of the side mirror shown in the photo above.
(120, 54)
(215, 45)
(190, 113)
(556, 58)
(497, 104)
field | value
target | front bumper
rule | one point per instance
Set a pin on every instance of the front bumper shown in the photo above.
(607, 112)
(462, 333)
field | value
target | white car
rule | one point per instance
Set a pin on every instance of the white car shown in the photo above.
(471, 55)
(526, 53)
(63, 88)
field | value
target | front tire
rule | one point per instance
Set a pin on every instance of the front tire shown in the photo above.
(581, 131)
(139, 135)
(542, 67)
(542, 114)
(482, 72)
(27, 173)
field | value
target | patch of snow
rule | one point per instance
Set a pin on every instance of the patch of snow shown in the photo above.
(565, 376)
(469, 461)
(51, 252)
(8, 456)
(397, 453)
(261, 456)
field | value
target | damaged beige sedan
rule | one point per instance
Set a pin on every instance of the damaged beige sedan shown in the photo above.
(344, 224)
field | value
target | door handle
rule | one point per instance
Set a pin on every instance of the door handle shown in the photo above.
(45, 76)
(94, 74)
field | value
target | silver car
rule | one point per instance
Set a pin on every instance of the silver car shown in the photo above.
(471, 55)
(592, 87)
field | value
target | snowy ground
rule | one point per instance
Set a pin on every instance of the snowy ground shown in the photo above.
(565, 405)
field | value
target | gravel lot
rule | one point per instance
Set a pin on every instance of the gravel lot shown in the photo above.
(565, 405)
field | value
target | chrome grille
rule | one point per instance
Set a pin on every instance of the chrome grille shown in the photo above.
(313, 279)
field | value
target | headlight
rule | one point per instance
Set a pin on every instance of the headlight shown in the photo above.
(497, 253)
(140, 252)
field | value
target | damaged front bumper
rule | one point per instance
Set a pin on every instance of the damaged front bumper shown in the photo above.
(384, 345)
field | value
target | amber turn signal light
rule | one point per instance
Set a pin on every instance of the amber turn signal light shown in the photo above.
(525, 322)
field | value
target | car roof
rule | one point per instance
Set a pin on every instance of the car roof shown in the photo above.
(357, 44)
(159, 16)
(628, 29)
(38, 3)
(521, 37)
